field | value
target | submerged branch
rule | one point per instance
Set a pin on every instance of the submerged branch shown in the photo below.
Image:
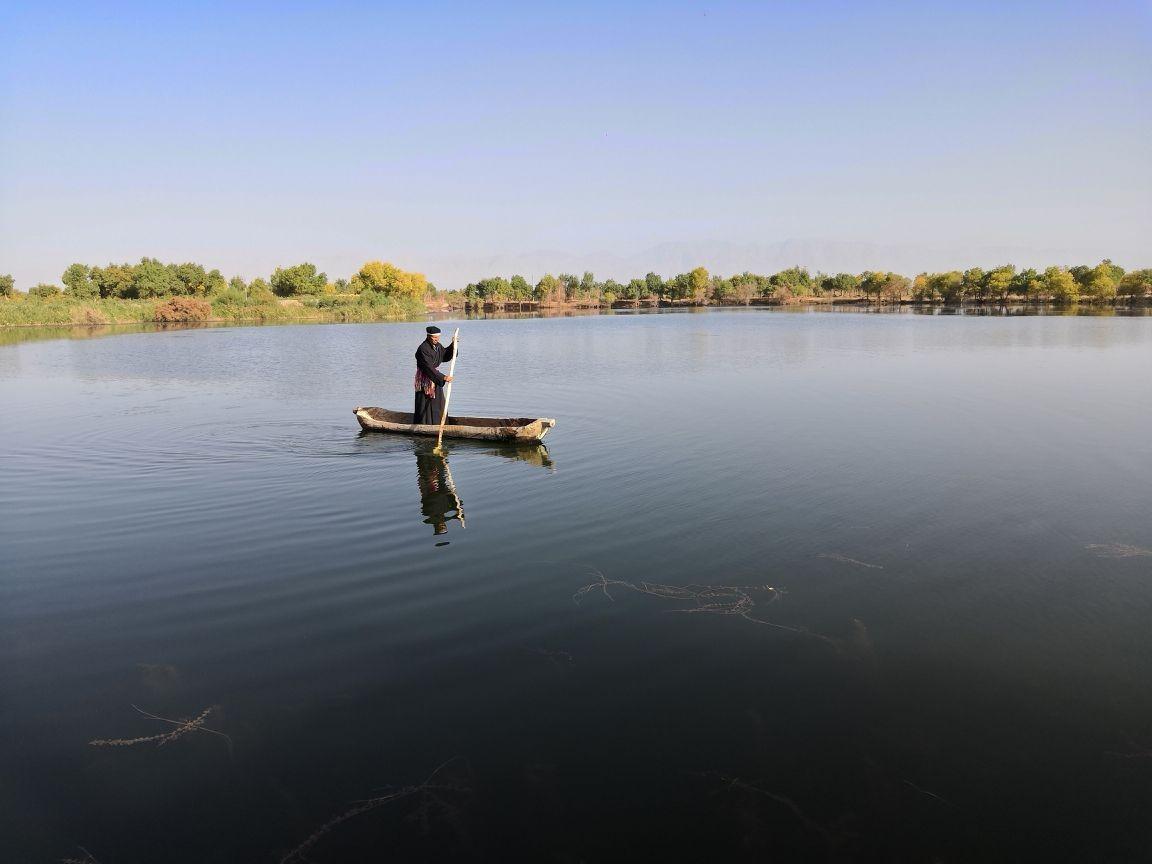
(753, 787)
(737, 600)
(183, 727)
(844, 559)
(426, 787)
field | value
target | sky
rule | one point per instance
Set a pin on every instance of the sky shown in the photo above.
(449, 138)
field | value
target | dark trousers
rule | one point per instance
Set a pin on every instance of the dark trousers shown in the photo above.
(428, 411)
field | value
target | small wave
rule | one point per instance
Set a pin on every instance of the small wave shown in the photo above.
(1117, 550)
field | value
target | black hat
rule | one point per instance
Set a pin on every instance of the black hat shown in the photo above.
(433, 329)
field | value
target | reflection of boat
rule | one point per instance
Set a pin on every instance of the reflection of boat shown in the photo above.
(510, 429)
(533, 454)
(438, 499)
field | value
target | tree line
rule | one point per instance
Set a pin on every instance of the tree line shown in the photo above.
(1105, 281)
(153, 279)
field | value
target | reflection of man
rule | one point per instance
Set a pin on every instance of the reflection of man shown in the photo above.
(429, 382)
(438, 501)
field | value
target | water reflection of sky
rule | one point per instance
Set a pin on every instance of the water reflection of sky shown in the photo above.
(951, 511)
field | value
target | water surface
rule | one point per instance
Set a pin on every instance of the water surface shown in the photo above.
(817, 586)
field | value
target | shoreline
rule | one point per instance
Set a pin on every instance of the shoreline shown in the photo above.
(106, 312)
(187, 325)
(478, 312)
(800, 301)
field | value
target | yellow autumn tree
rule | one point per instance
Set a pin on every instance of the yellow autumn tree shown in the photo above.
(390, 280)
(1061, 285)
(698, 284)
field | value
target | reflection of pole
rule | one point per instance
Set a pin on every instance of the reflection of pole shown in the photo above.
(452, 492)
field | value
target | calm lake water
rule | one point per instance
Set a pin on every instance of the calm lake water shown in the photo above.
(783, 586)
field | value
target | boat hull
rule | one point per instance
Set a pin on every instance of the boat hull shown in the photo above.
(511, 429)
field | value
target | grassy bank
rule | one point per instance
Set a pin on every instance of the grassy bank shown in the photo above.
(24, 311)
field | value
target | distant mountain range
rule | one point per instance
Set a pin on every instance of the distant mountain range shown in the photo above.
(725, 258)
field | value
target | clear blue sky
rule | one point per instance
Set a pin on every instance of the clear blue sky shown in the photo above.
(343, 132)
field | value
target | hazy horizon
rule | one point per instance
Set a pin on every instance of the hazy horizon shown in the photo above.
(464, 142)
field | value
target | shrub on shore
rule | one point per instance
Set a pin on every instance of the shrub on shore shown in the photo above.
(182, 309)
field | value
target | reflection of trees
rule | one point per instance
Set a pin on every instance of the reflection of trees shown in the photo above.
(438, 499)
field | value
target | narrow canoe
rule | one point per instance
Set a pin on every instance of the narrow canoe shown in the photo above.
(515, 429)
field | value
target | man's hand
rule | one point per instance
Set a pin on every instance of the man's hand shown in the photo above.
(447, 378)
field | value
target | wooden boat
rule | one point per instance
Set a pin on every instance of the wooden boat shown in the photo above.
(510, 429)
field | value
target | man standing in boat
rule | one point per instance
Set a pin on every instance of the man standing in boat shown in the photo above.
(430, 382)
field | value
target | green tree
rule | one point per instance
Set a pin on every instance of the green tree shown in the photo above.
(610, 291)
(237, 284)
(150, 278)
(699, 284)
(1028, 283)
(1081, 273)
(872, 283)
(571, 285)
(302, 279)
(653, 285)
(840, 284)
(7, 285)
(549, 289)
(498, 288)
(949, 287)
(78, 280)
(762, 284)
(881, 284)
(1061, 285)
(44, 290)
(192, 279)
(795, 281)
(1135, 284)
(998, 282)
(216, 282)
(587, 285)
(1101, 281)
(1115, 271)
(923, 289)
(973, 283)
(678, 287)
(521, 290)
(495, 289)
(115, 280)
(719, 289)
(743, 289)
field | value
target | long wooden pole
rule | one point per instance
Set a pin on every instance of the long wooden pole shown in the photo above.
(448, 388)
